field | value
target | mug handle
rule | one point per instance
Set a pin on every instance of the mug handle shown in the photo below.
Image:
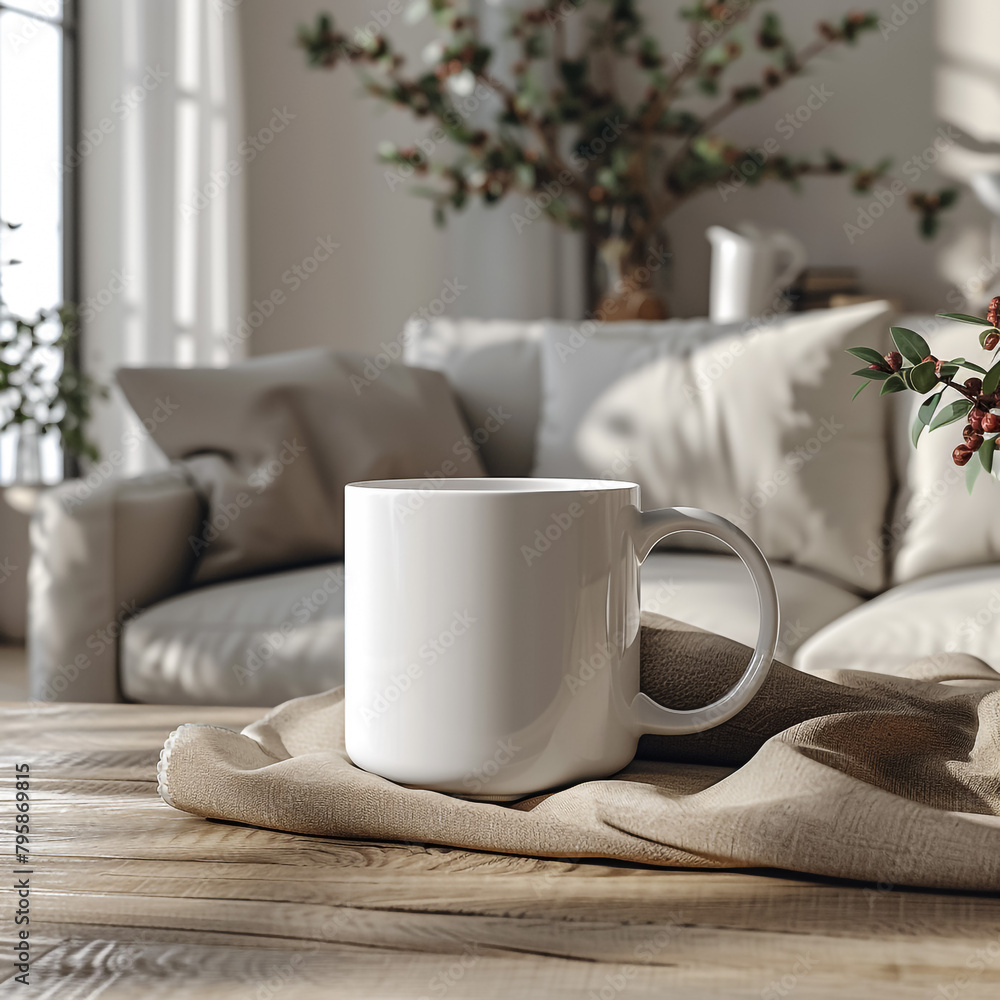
(647, 529)
(797, 259)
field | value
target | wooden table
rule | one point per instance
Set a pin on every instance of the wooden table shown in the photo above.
(130, 898)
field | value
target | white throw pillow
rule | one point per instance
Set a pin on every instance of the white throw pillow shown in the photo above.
(936, 524)
(757, 426)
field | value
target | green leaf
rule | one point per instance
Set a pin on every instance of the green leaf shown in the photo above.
(972, 367)
(911, 345)
(573, 71)
(952, 412)
(858, 391)
(867, 354)
(894, 383)
(962, 318)
(972, 474)
(926, 409)
(947, 197)
(525, 174)
(873, 374)
(416, 11)
(986, 454)
(924, 414)
(922, 376)
(948, 372)
(991, 380)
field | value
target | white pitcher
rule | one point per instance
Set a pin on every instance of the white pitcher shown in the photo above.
(749, 270)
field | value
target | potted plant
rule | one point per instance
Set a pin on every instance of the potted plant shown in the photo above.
(42, 386)
(567, 139)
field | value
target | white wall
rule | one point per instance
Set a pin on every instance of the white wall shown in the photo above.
(320, 178)
(882, 104)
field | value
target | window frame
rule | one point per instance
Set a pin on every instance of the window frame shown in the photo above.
(67, 25)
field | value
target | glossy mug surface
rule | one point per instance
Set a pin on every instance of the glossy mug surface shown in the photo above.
(492, 630)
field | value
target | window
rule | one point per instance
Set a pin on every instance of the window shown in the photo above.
(37, 123)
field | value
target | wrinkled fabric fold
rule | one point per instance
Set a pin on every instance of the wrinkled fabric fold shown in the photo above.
(852, 774)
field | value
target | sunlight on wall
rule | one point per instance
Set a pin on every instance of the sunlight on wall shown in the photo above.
(968, 96)
(968, 79)
(169, 180)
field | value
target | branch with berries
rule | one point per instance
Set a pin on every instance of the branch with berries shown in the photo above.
(564, 134)
(912, 367)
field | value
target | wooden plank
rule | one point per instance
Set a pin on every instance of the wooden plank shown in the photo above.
(191, 969)
(134, 899)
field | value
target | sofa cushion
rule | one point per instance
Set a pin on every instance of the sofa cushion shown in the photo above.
(715, 592)
(263, 640)
(248, 642)
(953, 612)
(936, 524)
(493, 368)
(271, 443)
(759, 427)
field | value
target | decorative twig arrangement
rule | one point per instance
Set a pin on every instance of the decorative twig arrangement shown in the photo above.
(563, 135)
(913, 367)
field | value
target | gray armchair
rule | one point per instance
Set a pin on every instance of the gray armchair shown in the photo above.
(113, 614)
(99, 556)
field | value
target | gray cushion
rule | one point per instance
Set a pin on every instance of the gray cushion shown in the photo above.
(715, 592)
(249, 642)
(493, 368)
(953, 612)
(272, 442)
(269, 638)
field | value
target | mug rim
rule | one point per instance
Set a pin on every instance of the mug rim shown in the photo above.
(494, 485)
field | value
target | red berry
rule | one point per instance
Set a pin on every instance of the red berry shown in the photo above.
(991, 341)
(894, 360)
(876, 367)
(976, 418)
(991, 423)
(974, 385)
(961, 455)
(993, 313)
(972, 437)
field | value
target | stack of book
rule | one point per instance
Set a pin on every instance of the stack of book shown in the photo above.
(815, 287)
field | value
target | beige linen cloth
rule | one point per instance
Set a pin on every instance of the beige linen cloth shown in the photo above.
(865, 776)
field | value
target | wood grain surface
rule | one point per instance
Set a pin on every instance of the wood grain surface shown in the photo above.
(131, 898)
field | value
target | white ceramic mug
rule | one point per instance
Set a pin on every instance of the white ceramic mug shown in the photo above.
(492, 630)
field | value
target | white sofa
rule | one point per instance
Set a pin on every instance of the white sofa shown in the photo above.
(112, 615)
